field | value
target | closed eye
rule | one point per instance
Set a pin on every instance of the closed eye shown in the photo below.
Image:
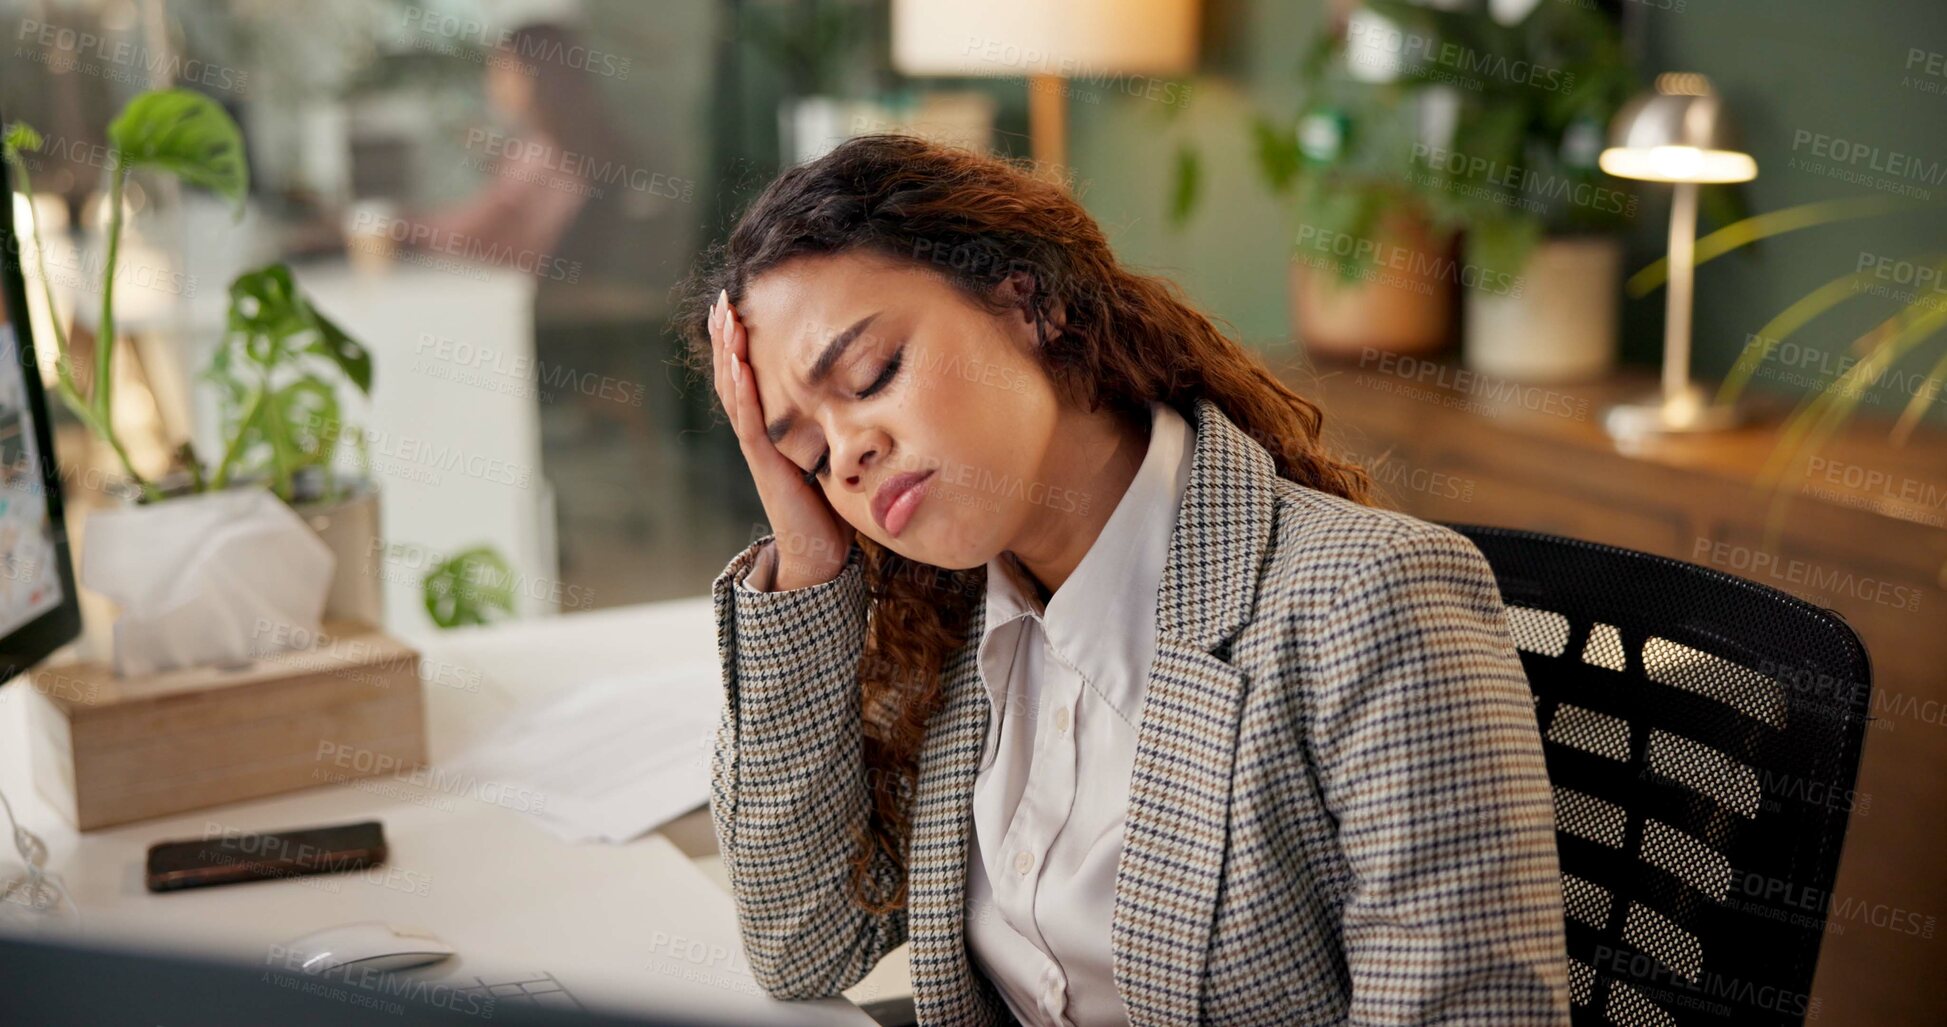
(819, 469)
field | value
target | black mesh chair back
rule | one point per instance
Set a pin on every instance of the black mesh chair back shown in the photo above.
(1703, 733)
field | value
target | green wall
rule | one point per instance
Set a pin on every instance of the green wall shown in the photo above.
(1233, 254)
(1794, 70)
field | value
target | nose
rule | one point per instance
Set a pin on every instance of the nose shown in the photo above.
(854, 452)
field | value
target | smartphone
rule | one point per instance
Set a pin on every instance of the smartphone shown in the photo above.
(233, 856)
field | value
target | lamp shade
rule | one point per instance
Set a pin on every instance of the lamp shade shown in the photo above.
(1670, 136)
(1069, 38)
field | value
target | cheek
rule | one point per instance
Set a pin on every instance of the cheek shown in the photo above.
(994, 458)
(852, 507)
(979, 390)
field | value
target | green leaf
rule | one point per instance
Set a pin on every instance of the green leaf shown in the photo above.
(1763, 226)
(334, 345)
(264, 304)
(1923, 398)
(467, 587)
(1783, 324)
(21, 137)
(312, 420)
(186, 134)
(1825, 411)
(1333, 208)
(274, 359)
(1277, 152)
(1189, 177)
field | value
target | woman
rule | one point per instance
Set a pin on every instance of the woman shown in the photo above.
(1073, 657)
(554, 153)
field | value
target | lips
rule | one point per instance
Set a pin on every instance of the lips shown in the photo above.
(893, 503)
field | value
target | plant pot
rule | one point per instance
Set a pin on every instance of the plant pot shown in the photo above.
(1404, 305)
(1561, 325)
(216, 579)
(349, 525)
(809, 126)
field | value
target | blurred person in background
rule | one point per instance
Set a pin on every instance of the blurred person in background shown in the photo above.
(570, 202)
(552, 154)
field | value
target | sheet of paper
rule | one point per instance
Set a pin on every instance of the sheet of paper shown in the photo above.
(608, 759)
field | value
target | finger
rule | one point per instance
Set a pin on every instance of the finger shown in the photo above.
(759, 451)
(739, 364)
(750, 416)
(716, 348)
(743, 393)
(720, 366)
(738, 338)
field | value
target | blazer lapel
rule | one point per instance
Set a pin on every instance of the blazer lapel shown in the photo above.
(1177, 826)
(1175, 834)
(946, 987)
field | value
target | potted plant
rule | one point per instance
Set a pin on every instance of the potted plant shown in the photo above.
(1440, 153)
(278, 372)
(1370, 267)
(814, 45)
(212, 565)
(1529, 95)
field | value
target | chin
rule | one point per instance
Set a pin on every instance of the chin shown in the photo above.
(926, 540)
(961, 545)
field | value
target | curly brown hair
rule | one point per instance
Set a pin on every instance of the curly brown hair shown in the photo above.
(1128, 339)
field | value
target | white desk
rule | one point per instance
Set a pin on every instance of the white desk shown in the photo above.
(637, 926)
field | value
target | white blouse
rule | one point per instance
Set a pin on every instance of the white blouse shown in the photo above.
(1049, 805)
(1067, 684)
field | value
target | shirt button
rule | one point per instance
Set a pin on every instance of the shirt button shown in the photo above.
(1022, 861)
(1061, 721)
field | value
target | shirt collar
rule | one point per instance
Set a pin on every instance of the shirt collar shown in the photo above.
(1102, 621)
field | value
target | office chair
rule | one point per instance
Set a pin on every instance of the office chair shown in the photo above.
(1702, 735)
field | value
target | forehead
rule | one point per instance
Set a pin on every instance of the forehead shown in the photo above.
(796, 307)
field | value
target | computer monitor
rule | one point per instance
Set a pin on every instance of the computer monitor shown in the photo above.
(69, 980)
(39, 611)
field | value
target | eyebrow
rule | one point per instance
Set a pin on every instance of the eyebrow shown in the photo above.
(822, 369)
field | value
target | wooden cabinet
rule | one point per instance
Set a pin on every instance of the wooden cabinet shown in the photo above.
(1861, 529)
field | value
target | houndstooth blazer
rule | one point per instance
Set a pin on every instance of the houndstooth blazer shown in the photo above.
(1339, 810)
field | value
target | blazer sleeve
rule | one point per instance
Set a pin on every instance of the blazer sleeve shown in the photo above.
(787, 780)
(1430, 759)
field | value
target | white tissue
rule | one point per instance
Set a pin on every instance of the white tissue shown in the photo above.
(220, 579)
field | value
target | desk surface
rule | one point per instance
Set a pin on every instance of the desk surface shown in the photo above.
(636, 926)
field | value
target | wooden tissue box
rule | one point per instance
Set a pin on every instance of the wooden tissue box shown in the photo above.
(110, 750)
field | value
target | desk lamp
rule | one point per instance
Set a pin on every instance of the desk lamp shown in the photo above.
(1679, 134)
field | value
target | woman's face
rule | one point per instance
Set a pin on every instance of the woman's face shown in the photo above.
(922, 380)
(510, 92)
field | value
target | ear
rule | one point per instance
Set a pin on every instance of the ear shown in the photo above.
(1017, 289)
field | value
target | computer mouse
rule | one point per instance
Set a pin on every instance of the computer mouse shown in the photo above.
(367, 945)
